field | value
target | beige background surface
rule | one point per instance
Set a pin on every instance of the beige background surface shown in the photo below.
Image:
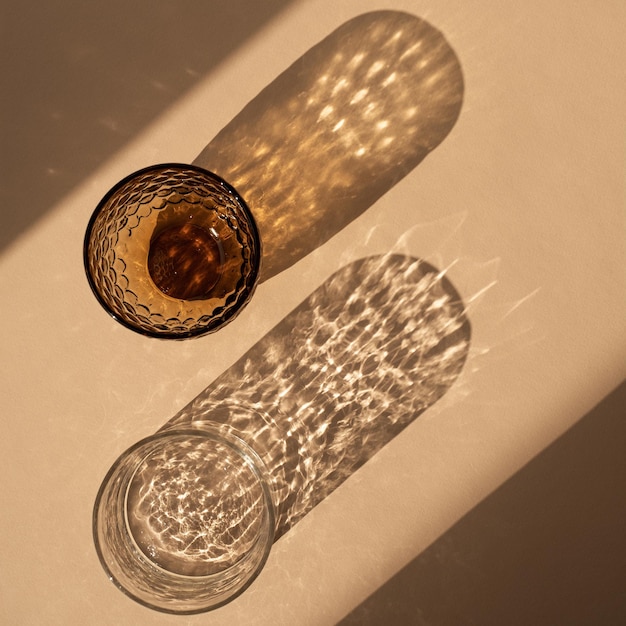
(524, 202)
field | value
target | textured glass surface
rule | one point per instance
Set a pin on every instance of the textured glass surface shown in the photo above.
(184, 520)
(172, 251)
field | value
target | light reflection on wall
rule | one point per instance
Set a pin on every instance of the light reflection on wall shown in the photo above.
(338, 129)
(377, 344)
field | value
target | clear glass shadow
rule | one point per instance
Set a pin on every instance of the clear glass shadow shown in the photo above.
(377, 344)
(360, 359)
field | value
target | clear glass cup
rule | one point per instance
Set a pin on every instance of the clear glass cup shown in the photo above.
(172, 251)
(184, 520)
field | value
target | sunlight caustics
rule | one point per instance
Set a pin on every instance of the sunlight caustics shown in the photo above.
(337, 129)
(193, 508)
(340, 376)
(184, 524)
(184, 520)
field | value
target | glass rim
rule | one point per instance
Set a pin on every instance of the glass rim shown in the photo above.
(256, 465)
(256, 261)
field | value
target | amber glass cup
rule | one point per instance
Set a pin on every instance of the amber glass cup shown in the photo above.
(172, 251)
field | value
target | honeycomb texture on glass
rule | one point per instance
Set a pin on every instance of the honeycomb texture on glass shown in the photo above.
(118, 241)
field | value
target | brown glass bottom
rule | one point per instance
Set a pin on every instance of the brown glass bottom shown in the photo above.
(185, 261)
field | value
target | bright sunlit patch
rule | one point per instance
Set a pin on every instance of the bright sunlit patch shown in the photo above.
(411, 50)
(325, 112)
(358, 96)
(390, 79)
(342, 83)
(356, 60)
(376, 67)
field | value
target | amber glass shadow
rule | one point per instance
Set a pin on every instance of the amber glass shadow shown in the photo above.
(361, 358)
(338, 129)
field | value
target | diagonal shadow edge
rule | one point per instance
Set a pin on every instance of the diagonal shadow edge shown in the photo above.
(82, 90)
(546, 547)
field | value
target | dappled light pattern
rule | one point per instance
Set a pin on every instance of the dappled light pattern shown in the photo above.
(195, 508)
(378, 343)
(338, 129)
(184, 520)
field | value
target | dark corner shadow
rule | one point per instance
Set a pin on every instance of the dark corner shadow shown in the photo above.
(338, 129)
(80, 79)
(371, 349)
(548, 547)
